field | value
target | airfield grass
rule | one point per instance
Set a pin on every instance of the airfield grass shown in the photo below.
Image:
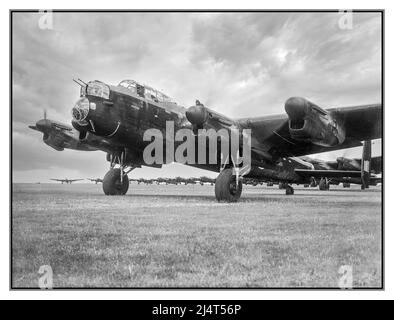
(179, 236)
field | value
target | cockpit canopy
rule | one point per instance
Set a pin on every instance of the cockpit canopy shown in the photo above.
(146, 92)
(96, 89)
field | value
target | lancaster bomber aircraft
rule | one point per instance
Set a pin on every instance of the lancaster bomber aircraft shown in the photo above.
(114, 119)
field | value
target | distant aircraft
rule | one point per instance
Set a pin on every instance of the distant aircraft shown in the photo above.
(165, 181)
(66, 181)
(208, 180)
(253, 182)
(344, 170)
(114, 119)
(186, 181)
(96, 180)
(142, 180)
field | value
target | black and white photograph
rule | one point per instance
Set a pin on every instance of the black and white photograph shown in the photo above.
(196, 149)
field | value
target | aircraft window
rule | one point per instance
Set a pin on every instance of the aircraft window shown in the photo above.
(132, 88)
(140, 90)
(129, 84)
(150, 94)
(160, 97)
(146, 92)
(97, 89)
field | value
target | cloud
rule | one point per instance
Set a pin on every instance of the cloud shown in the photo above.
(240, 64)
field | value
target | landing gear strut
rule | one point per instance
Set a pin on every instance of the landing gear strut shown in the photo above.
(226, 187)
(116, 181)
(313, 183)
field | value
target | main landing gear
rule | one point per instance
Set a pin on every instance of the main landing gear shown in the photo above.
(313, 183)
(116, 181)
(289, 189)
(324, 184)
(227, 188)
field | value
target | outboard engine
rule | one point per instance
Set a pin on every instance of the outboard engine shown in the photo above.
(309, 122)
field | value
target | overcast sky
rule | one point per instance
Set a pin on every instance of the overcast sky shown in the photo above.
(239, 64)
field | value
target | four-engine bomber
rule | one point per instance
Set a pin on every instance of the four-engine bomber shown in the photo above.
(114, 119)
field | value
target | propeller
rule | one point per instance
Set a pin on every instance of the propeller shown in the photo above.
(42, 125)
(38, 122)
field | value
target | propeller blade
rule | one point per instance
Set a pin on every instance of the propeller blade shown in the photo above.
(45, 114)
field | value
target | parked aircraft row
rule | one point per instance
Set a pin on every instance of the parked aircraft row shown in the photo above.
(114, 118)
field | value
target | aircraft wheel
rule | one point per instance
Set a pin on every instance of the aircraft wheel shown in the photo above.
(289, 190)
(313, 183)
(323, 184)
(112, 185)
(225, 187)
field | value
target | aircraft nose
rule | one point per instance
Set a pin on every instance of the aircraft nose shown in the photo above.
(81, 110)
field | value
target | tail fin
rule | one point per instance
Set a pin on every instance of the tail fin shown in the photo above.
(366, 164)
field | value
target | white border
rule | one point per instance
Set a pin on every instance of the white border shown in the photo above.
(198, 295)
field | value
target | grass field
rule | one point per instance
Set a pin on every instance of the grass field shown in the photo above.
(178, 236)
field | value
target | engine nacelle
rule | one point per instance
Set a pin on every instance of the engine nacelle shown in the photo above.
(198, 115)
(54, 142)
(308, 122)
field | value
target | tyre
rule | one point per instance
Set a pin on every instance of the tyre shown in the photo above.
(225, 187)
(313, 183)
(289, 190)
(324, 185)
(112, 185)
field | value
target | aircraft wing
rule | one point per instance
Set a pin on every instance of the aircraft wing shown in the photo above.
(272, 136)
(327, 173)
(56, 179)
(60, 136)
